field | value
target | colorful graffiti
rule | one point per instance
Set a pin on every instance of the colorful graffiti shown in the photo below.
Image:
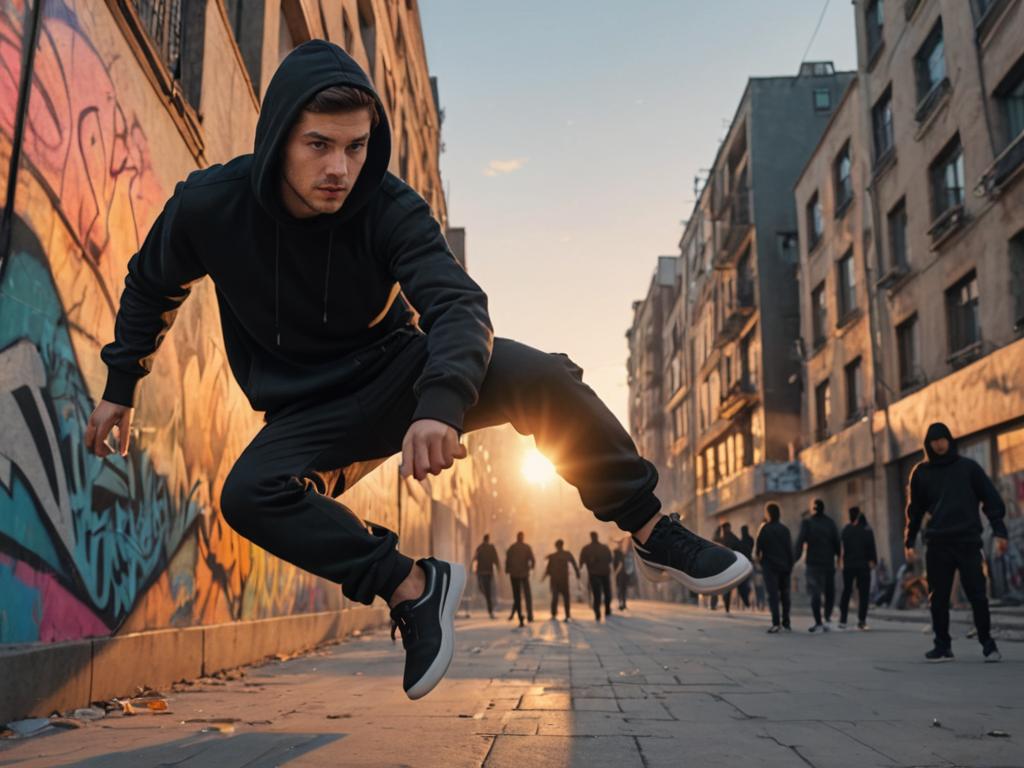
(91, 546)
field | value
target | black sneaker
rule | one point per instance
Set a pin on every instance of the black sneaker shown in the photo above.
(673, 551)
(991, 651)
(774, 629)
(428, 626)
(937, 655)
(816, 628)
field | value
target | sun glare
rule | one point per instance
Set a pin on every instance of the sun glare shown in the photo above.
(537, 469)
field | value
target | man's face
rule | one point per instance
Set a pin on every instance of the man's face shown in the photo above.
(939, 446)
(321, 161)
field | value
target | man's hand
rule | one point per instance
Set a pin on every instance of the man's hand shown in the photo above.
(107, 416)
(429, 447)
(1000, 545)
(910, 554)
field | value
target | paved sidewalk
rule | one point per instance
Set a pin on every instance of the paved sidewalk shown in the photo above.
(663, 685)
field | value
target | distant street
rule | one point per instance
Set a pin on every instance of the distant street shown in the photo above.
(662, 685)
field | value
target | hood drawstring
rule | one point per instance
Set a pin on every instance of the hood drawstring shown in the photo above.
(277, 283)
(277, 278)
(327, 272)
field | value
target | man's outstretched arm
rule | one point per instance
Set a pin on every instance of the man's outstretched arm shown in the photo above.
(158, 281)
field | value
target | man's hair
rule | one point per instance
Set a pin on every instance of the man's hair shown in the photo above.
(343, 98)
(487, 537)
(854, 514)
(773, 512)
(593, 535)
(819, 505)
(520, 535)
(559, 544)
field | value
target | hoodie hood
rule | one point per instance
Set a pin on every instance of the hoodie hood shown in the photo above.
(308, 69)
(936, 431)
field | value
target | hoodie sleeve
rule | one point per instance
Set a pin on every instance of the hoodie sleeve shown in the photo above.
(915, 509)
(872, 551)
(452, 308)
(991, 502)
(798, 550)
(159, 279)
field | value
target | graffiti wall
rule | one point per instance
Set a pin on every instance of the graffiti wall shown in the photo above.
(92, 546)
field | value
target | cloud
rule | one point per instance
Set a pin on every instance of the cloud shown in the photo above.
(498, 167)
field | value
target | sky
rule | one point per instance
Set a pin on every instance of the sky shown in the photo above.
(573, 132)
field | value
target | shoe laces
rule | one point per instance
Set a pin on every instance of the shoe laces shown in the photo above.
(685, 542)
(402, 620)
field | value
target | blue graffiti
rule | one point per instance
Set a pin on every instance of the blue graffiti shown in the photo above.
(106, 528)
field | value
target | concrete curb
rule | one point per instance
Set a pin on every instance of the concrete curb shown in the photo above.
(41, 678)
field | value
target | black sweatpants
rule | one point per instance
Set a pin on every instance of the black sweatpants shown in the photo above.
(280, 493)
(601, 588)
(520, 593)
(862, 578)
(485, 582)
(776, 583)
(821, 580)
(943, 560)
(622, 587)
(559, 589)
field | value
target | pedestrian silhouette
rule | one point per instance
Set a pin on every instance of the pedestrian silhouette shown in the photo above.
(821, 538)
(859, 558)
(558, 571)
(518, 564)
(485, 562)
(597, 558)
(774, 550)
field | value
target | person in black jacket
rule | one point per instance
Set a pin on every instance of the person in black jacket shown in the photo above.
(859, 558)
(597, 558)
(518, 564)
(774, 549)
(746, 548)
(725, 537)
(821, 537)
(486, 562)
(950, 487)
(348, 322)
(558, 571)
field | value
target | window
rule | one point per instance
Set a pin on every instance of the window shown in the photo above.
(854, 389)
(847, 287)
(962, 314)
(947, 178)
(346, 28)
(246, 20)
(906, 343)
(881, 122)
(822, 409)
(897, 220)
(368, 33)
(815, 222)
(930, 62)
(819, 314)
(841, 178)
(176, 30)
(1010, 97)
(822, 99)
(1017, 279)
(874, 23)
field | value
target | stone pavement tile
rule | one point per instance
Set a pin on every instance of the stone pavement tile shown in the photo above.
(628, 690)
(555, 700)
(701, 707)
(715, 746)
(644, 709)
(594, 705)
(817, 705)
(602, 724)
(823, 747)
(918, 743)
(563, 752)
(594, 691)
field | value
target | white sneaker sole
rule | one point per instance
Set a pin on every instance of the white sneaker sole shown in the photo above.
(449, 605)
(731, 577)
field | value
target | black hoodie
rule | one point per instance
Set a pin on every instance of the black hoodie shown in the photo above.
(858, 545)
(950, 487)
(306, 305)
(821, 536)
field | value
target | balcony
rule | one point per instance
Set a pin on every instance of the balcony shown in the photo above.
(735, 222)
(931, 100)
(737, 398)
(736, 316)
(947, 222)
(966, 354)
(1005, 169)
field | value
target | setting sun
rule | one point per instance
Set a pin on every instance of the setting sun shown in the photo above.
(536, 467)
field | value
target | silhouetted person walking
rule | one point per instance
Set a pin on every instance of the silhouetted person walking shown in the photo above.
(821, 537)
(518, 564)
(950, 487)
(624, 566)
(774, 550)
(859, 557)
(746, 547)
(558, 571)
(486, 562)
(726, 538)
(597, 559)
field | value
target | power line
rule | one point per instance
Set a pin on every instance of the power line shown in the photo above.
(814, 34)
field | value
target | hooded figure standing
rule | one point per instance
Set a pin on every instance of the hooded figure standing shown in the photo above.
(950, 488)
(859, 558)
(821, 537)
(318, 256)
